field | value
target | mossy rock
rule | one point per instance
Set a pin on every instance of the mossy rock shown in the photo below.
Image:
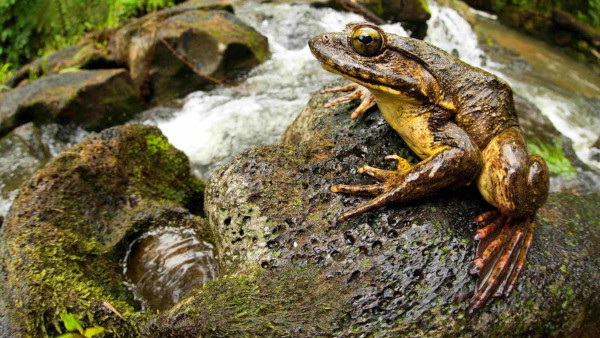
(214, 42)
(87, 54)
(400, 270)
(93, 100)
(64, 240)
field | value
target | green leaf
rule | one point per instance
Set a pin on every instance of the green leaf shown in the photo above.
(92, 331)
(71, 322)
(70, 335)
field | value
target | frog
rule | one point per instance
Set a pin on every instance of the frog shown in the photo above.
(461, 122)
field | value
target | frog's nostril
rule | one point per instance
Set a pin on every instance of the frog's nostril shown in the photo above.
(325, 38)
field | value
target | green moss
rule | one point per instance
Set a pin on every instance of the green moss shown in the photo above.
(257, 303)
(70, 273)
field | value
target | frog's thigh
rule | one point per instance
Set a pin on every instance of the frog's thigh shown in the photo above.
(512, 180)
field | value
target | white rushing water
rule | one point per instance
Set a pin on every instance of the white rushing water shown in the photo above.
(214, 126)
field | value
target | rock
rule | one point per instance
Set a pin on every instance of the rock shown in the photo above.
(411, 11)
(215, 42)
(93, 100)
(22, 153)
(85, 55)
(65, 237)
(400, 270)
(544, 21)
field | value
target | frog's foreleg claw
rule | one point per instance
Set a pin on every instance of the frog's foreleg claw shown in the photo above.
(358, 92)
(501, 256)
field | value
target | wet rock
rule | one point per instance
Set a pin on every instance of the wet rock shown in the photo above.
(215, 43)
(85, 55)
(22, 153)
(64, 240)
(93, 100)
(552, 25)
(400, 270)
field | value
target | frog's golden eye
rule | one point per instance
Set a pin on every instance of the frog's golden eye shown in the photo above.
(366, 41)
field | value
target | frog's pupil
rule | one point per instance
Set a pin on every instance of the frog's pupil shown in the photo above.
(365, 39)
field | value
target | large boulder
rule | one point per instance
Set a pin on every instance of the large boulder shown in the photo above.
(63, 243)
(400, 270)
(214, 42)
(93, 100)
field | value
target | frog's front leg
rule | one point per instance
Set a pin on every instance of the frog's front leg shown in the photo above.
(357, 92)
(451, 159)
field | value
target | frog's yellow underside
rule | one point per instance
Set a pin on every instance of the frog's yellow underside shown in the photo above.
(461, 121)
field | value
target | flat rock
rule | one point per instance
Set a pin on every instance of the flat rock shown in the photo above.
(93, 100)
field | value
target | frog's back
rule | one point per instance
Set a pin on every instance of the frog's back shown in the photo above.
(484, 103)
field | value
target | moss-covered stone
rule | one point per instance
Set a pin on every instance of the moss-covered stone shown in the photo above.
(92, 99)
(87, 54)
(64, 239)
(403, 268)
(256, 302)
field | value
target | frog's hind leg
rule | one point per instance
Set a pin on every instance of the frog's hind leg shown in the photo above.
(501, 256)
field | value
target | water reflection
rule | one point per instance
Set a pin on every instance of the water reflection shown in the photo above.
(165, 263)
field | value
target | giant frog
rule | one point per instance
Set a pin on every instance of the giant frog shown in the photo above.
(461, 121)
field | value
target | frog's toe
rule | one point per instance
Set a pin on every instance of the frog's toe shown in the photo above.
(501, 256)
(379, 174)
(357, 92)
(345, 88)
(403, 164)
(364, 190)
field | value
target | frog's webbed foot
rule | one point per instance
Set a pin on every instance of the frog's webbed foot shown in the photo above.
(357, 92)
(388, 179)
(501, 255)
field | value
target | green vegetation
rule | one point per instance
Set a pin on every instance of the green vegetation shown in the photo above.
(558, 164)
(5, 73)
(74, 328)
(29, 28)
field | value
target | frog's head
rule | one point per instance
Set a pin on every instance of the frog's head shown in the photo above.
(366, 55)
